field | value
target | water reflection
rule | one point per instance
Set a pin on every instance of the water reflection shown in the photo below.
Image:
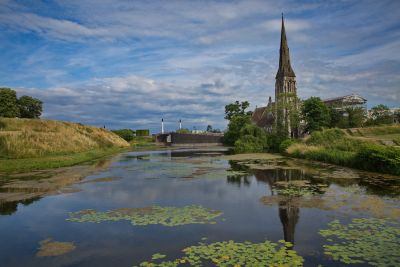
(289, 216)
(9, 208)
(288, 212)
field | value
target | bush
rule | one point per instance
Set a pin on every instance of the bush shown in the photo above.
(334, 156)
(252, 139)
(126, 134)
(373, 157)
(285, 144)
(250, 143)
(235, 126)
(274, 142)
(143, 132)
(333, 146)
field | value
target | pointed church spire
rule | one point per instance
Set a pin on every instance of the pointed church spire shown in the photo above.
(285, 69)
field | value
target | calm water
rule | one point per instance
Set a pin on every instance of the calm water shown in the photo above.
(253, 208)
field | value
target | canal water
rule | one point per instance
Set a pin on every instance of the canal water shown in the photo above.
(137, 204)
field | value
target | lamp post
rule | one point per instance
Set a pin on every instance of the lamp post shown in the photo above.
(180, 124)
(162, 125)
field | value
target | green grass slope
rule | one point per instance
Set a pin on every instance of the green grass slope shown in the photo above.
(337, 147)
(386, 135)
(27, 144)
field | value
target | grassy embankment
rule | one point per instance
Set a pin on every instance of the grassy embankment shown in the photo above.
(143, 142)
(27, 145)
(363, 148)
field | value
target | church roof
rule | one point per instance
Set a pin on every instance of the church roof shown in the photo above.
(257, 114)
(263, 116)
(285, 69)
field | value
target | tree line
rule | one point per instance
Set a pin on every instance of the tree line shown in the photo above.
(23, 107)
(313, 114)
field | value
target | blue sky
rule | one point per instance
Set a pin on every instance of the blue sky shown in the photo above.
(129, 63)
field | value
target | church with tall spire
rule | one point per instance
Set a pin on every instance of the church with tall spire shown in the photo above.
(278, 116)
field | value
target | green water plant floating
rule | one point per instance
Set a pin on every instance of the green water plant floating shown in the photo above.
(298, 188)
(230, 253)
(167, 216)
(368, 241)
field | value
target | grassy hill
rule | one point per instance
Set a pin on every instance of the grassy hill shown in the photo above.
(372, 149)
(27, 144)
(386, 135)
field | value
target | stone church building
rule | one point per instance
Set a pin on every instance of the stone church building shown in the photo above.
(276, 115)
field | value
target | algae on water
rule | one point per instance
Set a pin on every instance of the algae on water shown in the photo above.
(54, 248)
(167, 216)
(231, 253)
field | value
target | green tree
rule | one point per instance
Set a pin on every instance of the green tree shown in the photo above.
(252, 139)
(355, 117)
(142, 132)
(234, 126)
(126, 134)
(335, 117)
(380, 114)
(238, 117)
(209, 128)
(29, 107)
(8, 103)
(315, 113)
(236, 108)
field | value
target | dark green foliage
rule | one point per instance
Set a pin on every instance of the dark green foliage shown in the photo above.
(356, 117)
(274, 142)
(373, 157)
(29, 107)
(236, 108)
(351, 118)
(334, 156)
(315, 113)
(252, 139)
(238, 117)
(209, 128)
(285, 144)
(143, 132)
(126, 134)
(380, 114)
(8, 103)
(335, 118)
(333, 146)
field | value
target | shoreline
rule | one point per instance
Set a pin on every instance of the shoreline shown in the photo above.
(14, 166)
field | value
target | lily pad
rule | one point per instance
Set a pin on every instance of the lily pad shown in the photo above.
(231, 253)
(167, 216)
(369, 241)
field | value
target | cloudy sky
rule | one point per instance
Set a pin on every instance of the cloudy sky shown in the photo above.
(129, 63)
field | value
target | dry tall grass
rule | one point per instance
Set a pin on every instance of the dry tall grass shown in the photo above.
(27, 138)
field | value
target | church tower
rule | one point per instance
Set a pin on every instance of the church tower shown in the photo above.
(285, 91)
